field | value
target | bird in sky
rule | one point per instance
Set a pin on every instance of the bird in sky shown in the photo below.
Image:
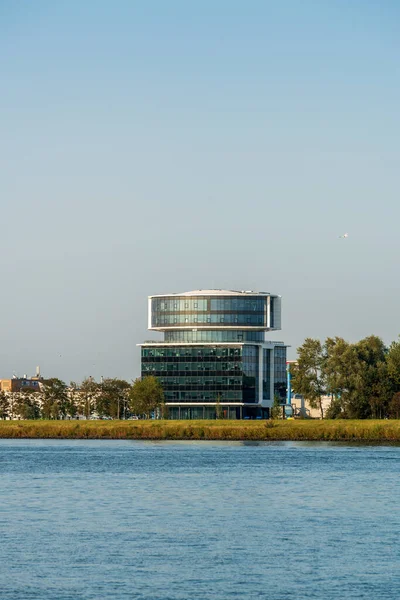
(344, 236)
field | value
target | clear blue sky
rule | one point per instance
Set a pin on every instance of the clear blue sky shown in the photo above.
(154, 146)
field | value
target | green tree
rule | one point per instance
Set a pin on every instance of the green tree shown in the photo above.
(72, 402)
(218, 408)
(76, 400)
(393, 364)
(342, 374)
(4, 405)
(26, 404)
(373, 392)
(113, 395)
(146, 396)
(308, 377)
(380, 392)
(89, 393)
(338, 366)
(164, 411)
(55, 399)
(394, 406)
(357, 377)
(277, 410)
(13, 397)
(335, 409)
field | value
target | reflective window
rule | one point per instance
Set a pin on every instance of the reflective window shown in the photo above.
(280, 371)
(266, 374)
(228, 311)
(201, 373)
(214, 336)
(250, 373)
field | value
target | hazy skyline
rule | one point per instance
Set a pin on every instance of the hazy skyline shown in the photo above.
(156, 147)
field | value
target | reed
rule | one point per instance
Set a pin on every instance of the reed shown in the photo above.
(302, 430)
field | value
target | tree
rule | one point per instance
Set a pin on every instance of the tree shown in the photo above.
(77, 399)
(373, 392)
(26, 404)
(146, 396)
(218, 408)
(339, 370)
(357, 377)
(276, 410)
(342, 372)
(393, 364)
(73, 396)
(113, 398)
(394, 406)
(362, 378)
(55, 399)
(308, 377)
(380, 391)
(4, 405)
(89, 392)
(335, 409)
(13, 396)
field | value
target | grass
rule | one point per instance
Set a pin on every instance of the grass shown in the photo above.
(301, 430)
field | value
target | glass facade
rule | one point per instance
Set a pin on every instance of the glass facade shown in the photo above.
(204, 335)
(206, 412)
(266, 374)
(271, 313)
(250, 373)
(236, 311)
(214, 351)
(280, 372)
(204, 373)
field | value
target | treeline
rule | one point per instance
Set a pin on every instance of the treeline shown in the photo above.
(362, 379)
(110, 398)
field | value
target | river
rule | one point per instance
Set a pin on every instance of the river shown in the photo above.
(198, 520)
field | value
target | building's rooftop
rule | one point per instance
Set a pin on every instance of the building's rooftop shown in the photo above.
(214, 293)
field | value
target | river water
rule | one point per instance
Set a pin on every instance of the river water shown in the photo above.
(198, 520)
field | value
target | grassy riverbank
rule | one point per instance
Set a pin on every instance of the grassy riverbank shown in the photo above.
(368, 430)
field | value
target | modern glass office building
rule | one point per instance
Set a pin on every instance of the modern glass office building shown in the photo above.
(215, 355)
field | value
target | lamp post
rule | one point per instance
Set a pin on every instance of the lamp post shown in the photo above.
(289, 384)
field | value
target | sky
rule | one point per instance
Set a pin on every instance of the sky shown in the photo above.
(157, 147)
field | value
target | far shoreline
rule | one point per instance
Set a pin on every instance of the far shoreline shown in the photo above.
(307, 430)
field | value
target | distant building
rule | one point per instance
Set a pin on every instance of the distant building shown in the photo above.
(18, 384)
(215, 355)
(302, 407)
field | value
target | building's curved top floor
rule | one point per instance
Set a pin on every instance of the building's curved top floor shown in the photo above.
(215, 310)
(213, 293)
